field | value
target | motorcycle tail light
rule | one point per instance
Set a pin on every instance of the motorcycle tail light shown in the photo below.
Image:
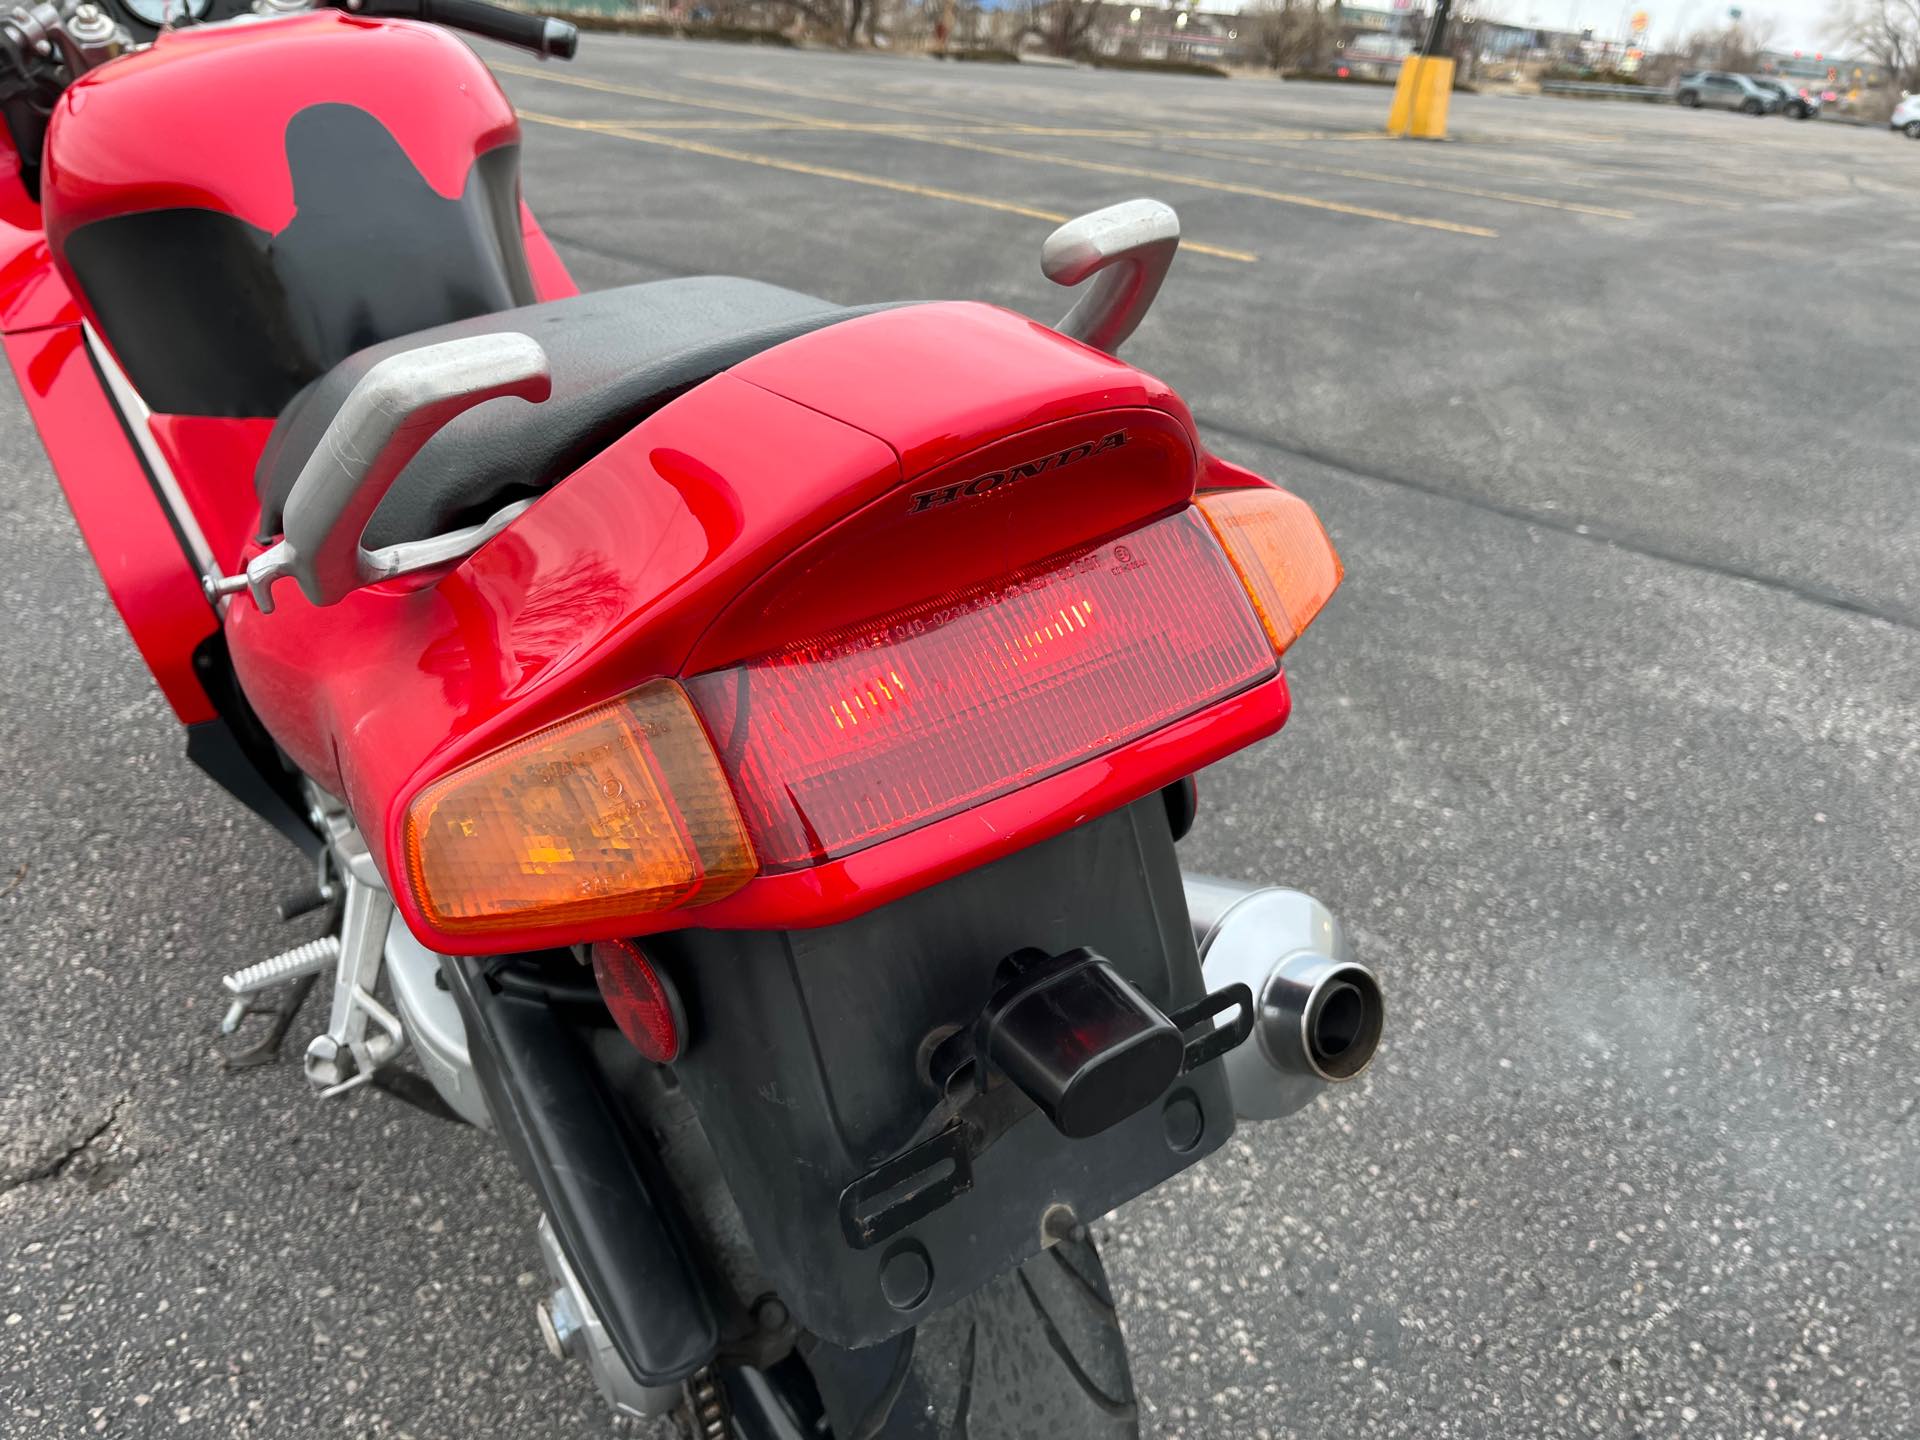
(620, 810)
(838, 742)
(1281, 553)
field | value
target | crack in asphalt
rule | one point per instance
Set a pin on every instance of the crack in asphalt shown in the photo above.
(51, 1166)
(1597, 531)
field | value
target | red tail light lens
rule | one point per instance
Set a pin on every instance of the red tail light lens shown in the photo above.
(837, 743)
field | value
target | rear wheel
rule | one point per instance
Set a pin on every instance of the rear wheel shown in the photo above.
(1035, 1355)
(1913, 129)
(1690, 99)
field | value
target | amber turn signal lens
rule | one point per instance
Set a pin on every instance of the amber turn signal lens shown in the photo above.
(1281, 552)
(622, 810)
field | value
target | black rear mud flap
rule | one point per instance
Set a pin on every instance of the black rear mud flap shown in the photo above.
(617, 1222)
(808, 1048)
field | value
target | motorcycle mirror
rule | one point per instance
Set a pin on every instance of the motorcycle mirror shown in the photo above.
(398, 405)
(1126, 249)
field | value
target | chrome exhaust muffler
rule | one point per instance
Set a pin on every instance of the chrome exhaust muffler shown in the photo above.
(1318, 1013)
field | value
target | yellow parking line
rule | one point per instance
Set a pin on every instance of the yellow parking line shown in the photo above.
(804, 121)
(1609, 180)
(641, 92)
(753, 126)
(1505, 196)
(868, 102)
(898, 107)
(1549, 137)
(1645, 192)
(631, 132)
(1281, 197)
(1170, 177)
(863, 127)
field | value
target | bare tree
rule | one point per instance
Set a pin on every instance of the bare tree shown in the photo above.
(1884, 31)
(1062, 25)
(1736, 47)
(839, 18)
(1294, 35)
(1746, 40)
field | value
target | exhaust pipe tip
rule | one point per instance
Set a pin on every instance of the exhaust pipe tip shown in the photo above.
(1319, 1014)
(1322, 1016)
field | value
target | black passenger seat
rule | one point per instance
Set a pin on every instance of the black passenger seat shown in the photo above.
(616, 355)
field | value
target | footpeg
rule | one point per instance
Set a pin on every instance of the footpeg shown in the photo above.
(302, 960)
(308, 959)
(304, 902)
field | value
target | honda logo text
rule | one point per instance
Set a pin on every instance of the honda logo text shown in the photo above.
(994, 480)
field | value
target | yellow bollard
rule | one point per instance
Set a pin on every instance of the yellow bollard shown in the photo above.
(1421, 97)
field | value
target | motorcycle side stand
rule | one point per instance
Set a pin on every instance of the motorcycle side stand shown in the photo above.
(300, 966)
(281, 1013)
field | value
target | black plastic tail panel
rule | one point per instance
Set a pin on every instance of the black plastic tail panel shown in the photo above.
(616, 1225)
(236, 751)
(805, 1055)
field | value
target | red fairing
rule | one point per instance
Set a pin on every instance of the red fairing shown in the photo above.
(935, 391)
(670, 553)
(934, 381)
(132, 542)
(212, 459)
(32, 294)
(605, 583)
(147, 574)
(550, 278)
(1218, 474)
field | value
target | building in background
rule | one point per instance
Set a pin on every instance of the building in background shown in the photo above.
(1838, 75)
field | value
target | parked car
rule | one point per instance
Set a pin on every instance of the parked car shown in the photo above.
(1906, 116)
(1724, 91)
(1799, 101)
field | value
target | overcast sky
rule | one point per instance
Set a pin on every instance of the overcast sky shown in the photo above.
(1803, 23)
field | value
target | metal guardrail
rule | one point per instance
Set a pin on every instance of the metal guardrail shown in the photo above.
(1652, 94)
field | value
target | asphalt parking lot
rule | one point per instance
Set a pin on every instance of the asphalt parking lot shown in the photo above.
(1607, 750)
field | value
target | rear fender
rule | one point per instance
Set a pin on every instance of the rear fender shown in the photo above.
(805, 1053)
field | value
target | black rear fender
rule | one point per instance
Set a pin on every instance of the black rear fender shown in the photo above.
(809, 1049)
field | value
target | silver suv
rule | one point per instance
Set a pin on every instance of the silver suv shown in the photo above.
(1723, 91)
(1800, 102)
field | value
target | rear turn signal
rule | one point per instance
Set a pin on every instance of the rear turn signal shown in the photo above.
(622, 810)
(1282, 554)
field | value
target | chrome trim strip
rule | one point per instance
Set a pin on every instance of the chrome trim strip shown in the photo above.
(135, 412)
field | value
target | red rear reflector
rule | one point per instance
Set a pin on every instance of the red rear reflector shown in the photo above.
(834, 744)
(641, 1002)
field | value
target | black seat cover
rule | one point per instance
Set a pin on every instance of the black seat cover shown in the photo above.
(617, 356)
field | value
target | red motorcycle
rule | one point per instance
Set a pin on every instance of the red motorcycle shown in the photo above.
(740, 740)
